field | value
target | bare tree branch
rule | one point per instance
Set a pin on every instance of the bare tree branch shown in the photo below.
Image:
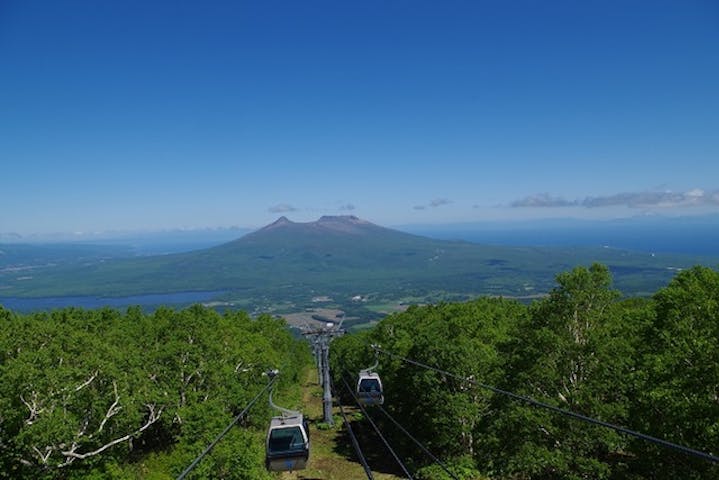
(87, 382)
(43, 457)
(71, 454)
(239, 368)
(33, 407)
(112, 411)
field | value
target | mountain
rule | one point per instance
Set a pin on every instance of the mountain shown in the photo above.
(340, 257)
(323, 253)
(340, 228)
(331, 240)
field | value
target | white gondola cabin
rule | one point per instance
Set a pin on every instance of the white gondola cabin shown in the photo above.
(288, 443)
(369, 388)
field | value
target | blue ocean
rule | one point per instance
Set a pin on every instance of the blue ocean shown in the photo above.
(687, 235)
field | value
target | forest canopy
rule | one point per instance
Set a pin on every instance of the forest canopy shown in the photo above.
(651, 365)
(105, 394)
(126, 395)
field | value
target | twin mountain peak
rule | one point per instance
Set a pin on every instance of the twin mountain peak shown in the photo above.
(340, 231)
(347, 224)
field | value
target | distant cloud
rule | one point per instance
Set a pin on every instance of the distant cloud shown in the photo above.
(437, 202)
(692, 198)
(347, 207)
(542, 200)
(641, 199)
(282, 208)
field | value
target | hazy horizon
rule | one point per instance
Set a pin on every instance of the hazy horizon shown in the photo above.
(503, 223)
(688, 234)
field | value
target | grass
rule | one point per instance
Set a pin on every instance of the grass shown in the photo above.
(328, 460)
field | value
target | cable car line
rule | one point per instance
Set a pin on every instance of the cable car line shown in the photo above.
(284, 411)
(363, 376)
(376, 429)
(227, 429)
(419, 444)
(561, 411)
(355, 443)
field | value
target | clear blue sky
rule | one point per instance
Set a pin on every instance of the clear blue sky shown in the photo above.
(152, 115)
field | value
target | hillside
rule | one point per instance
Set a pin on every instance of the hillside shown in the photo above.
(480, 382)
(339, 257)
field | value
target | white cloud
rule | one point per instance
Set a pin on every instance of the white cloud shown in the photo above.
(437, 202)
(542, 200)
(665, 199)
(282, 208)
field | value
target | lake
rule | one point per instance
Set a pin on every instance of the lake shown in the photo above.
(151, 301)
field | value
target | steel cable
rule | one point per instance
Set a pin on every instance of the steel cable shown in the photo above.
(418, 443)
(355, 443)
(379, 433)
(224, 432)
(577, 416)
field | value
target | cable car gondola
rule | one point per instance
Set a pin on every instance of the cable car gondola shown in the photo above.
(288, 443)
(369, 387)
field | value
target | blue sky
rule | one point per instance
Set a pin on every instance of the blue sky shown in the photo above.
(153, 115)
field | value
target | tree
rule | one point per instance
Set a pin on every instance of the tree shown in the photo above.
(445, 413)
(680, 394)
(576, 353)
(83, 391)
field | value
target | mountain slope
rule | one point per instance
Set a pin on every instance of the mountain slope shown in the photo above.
(340, 255)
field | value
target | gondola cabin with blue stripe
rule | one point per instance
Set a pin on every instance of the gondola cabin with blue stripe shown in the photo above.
(288, 444)
(369, 388)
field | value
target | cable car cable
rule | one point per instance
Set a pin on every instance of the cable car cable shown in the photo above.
(355, 443)
(287, 445)
(419, 444)
(561, 411)
(376, 429)
(227, 429)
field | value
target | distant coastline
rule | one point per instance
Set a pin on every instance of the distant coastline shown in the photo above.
(686, 235)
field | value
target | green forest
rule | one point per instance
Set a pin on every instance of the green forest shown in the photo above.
(97, 394)
(650, 365)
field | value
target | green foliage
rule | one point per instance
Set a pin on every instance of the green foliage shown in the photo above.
(446, 414)
(680, 396)
(575, 352)
(646, 364)
(463, 468)
(73, 382)
(97, 393)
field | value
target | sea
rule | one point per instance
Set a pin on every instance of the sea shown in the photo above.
(690, 236)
